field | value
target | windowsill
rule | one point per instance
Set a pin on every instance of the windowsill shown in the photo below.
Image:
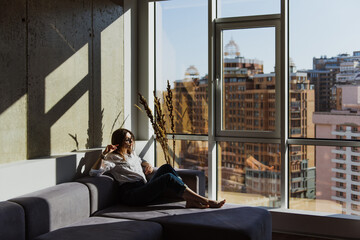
(312, 213)
(315, 223)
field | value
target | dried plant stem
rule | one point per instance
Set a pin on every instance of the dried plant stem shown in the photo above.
(170, 107)
(157, 124)
(160, 120)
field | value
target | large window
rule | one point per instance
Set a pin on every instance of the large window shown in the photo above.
(182, 59)
(231, 8)
(271, 91)
(247, 83)
(249, 173)
(324, 77)
(324, 106)
(188, 155)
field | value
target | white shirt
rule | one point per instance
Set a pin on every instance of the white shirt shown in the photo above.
(128, 170)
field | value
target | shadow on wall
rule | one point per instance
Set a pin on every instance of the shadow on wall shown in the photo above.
(58, 59)
(85, 164)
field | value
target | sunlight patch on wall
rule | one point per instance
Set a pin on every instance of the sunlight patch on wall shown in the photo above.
(64, 78)
(68, 95)
(75, 122)
(13, 132)
(112, 76)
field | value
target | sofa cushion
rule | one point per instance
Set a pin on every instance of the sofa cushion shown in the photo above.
(212, 223)
(12, 221)
(240, 223)
(54, 207)
(145, 212)
(96, 228)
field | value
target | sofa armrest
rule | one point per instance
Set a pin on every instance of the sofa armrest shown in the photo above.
(194, 179)
(12, 221)
(54, 207)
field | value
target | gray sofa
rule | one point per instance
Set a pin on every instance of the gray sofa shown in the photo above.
(88, 209)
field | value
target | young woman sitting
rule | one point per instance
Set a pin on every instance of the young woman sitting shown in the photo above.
(130, 172)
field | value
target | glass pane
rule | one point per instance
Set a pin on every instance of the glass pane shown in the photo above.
(249, 173)
(188, 155)
(248, 85)
(325, 77)
(182, 58)
(327, 180)
(231, 8)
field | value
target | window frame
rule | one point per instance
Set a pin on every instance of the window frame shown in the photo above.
(237, 23)
(282, 215)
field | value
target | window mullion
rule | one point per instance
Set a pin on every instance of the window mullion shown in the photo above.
(212, 156)
(284, 76)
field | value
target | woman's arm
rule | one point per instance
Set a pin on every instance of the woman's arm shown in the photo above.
(148, 169)
(99, 164)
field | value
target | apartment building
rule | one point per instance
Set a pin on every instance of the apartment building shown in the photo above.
(327, 72)
(338, 172)
(248, 104)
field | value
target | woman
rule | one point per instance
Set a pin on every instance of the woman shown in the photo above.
(130, 171)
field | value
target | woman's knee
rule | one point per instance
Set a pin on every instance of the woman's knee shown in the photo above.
(170, 177)
(167, 166)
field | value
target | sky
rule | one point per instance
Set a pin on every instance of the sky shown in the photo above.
(317, 28)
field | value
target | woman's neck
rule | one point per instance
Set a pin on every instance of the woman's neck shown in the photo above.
(124, 151)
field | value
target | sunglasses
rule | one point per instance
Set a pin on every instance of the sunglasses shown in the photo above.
(129, 140)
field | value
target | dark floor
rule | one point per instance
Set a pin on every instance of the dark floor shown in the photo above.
(283, 236)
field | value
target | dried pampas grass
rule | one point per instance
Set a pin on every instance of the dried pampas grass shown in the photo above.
(159, 123)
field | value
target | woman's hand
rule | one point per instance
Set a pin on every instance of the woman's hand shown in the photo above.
(110, 148)
(148, 168)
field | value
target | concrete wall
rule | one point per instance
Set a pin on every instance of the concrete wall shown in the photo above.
(61, 74)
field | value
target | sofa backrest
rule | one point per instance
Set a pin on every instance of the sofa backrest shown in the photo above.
(12, 221)
(104, 191)
(55, 207)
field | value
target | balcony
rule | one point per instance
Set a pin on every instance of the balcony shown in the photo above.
(337, 170)
(338, 133)
(339, 151)
(341, 199)
(334, 160)
(338, 179)
(297, 190)
(339, 189)
(355, 198)
(354, 179)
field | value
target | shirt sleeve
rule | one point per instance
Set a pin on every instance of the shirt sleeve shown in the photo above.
(98, 172)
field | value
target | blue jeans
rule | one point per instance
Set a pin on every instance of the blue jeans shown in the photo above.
(140, 193)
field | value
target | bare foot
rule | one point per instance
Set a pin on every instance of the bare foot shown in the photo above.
(216, 204)
(190, 196)
(194, 204)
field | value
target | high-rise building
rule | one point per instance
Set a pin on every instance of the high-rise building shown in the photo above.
(327, 73)
(338, 170)
(248, 104)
